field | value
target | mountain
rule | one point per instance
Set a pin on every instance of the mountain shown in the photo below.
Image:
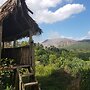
(85, 40)
(83, 45)
(67, 43)
(58, 42)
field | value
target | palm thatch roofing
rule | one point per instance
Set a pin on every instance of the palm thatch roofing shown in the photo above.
(16, 21)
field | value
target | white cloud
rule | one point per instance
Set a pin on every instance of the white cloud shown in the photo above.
(88, 33)
(54, 34)
(38, 39)
(42, 14)
(42, 4)
(87, 36)
(2, 2)
(51, 35)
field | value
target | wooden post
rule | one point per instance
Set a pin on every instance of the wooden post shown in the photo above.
(0, 40)
(14, 43)
(3, 45)
(30, 48)
(32, 61)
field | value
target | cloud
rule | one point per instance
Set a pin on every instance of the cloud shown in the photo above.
(43, 14)
(88, 33)
(54, 34)
(87, 36)
(2, 2)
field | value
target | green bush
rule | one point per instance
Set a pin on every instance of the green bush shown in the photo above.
(5, 74)
(53, 59)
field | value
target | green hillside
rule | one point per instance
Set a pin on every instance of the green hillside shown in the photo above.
(80, 46)
(61, 69)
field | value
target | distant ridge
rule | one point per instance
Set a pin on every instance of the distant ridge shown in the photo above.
(58, 42)
(85, 40)
(64, 42)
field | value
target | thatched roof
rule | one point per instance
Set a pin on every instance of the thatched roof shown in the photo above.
(16, 21)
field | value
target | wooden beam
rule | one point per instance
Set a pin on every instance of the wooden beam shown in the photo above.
(3, 44)
(6, 8)
(30, 48)
(0, 40)
(32, 61)
(14, 43)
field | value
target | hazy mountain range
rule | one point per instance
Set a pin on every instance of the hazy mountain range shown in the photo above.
(64, 42)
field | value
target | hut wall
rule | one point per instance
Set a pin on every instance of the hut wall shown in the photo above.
(21, 55)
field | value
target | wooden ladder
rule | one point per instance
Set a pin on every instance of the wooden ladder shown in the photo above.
(27, 81)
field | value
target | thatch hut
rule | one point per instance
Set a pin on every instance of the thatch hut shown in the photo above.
(15, 23)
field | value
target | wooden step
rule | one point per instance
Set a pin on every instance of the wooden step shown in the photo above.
(30, 84)
(23, 66)
(29, 74)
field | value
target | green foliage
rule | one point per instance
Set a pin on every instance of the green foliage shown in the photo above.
(24, 43)
(74, 62)
(5, 80)
(56, 68)
(7, 62)
(44, 70)
(80, 46)
(84, 55)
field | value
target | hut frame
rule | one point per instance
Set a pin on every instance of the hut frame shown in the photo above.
(16, 23)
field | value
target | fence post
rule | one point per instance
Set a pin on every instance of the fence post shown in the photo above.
(0, 41)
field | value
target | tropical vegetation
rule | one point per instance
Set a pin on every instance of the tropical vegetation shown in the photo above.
(62, 69)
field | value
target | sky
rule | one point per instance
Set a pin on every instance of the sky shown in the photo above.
(61, 18)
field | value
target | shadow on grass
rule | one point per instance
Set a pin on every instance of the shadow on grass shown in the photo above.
(58, 80)
(84, 56)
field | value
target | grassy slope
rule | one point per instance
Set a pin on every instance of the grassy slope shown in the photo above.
(60, 80)
(80, 45)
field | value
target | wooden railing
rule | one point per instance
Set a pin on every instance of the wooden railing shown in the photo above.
(20, 54)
